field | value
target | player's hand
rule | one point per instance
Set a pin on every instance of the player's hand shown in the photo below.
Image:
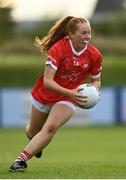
(76, 95)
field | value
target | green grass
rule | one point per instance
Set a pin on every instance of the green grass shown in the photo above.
(81, 152)
(23, 70)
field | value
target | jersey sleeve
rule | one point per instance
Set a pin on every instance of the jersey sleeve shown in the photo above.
(96, 67)
(54, 56)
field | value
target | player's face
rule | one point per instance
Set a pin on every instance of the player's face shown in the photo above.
(82, 35)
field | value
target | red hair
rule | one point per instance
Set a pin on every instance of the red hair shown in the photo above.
(61, 29)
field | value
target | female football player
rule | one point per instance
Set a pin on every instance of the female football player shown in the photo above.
(70, 59)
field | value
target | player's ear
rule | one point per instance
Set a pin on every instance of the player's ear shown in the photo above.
(70, 35)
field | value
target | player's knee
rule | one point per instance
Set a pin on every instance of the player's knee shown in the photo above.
(51, 128)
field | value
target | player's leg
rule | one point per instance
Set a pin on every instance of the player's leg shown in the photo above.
(38, 119)
(59, 114)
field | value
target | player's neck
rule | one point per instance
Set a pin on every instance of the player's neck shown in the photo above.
(77, 47)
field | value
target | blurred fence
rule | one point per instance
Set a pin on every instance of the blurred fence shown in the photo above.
(15, 108)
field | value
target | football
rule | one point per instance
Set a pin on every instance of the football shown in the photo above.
(92, 94)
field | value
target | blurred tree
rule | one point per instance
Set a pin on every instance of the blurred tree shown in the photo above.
(6, 21)
(41, 29)
(115, 26)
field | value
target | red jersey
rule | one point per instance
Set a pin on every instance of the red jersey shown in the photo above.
(72, 68)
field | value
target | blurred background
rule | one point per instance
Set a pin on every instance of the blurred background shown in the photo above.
(92, 144)
(21, 62)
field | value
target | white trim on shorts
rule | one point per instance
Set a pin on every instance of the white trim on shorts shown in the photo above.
(41, 107)
(68, 104)
(47, 107)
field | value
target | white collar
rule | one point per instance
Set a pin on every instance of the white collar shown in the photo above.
(74, 51)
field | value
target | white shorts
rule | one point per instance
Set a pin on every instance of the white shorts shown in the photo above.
(46, 108)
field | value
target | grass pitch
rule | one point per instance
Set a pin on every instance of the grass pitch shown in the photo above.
(75, 152)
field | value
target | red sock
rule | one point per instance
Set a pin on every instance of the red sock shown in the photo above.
(25, 156)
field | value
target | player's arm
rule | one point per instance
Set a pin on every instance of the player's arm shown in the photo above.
(95, 79)
(51, 84)
(96, 83)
